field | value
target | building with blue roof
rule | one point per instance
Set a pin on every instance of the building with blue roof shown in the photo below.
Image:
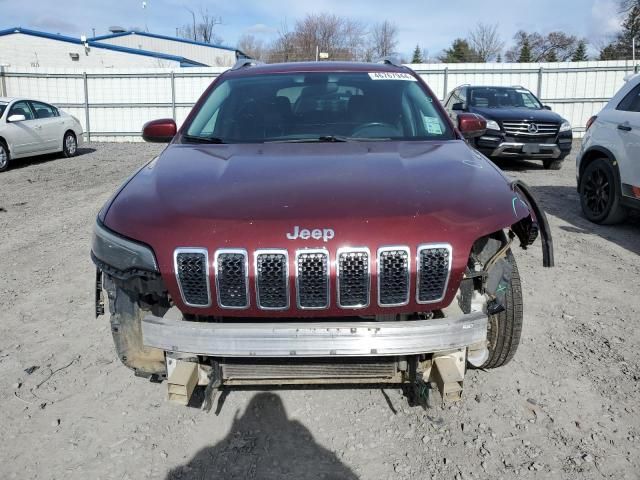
(22, 47)
(206, 53)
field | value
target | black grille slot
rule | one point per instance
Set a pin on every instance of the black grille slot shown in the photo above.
(433, 273)
(393, 277)
(191, 270)
(272, 278)
(231, 279)
(313, 279)
(353, 279)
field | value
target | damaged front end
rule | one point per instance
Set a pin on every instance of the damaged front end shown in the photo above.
(420, 349)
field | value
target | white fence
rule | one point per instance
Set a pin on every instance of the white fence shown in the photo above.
(113, 104)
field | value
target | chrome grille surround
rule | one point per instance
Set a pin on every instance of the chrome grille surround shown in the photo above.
(347, 284)
(517, 128)
(318, 284)
(203, 282)
(240, 285)
(445, 272)
(394, 283)
(270, 281)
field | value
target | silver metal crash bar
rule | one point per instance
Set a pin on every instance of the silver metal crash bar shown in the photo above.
(500, 151)
(315, 339)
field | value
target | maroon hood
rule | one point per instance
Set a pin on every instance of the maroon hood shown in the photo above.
(371, 194)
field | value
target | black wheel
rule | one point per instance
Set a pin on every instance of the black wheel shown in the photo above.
(600, 193)
(505, 327)
(552, 163)
(4, 156)
(69, 145)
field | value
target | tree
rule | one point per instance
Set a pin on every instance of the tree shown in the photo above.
(580, 55)
(342, 38)
(553, 47)
(459, 52)
(621, 47)
(485, 40)
(525, 52)
(417, 55)
(384, 38)
(252, 46)
(201, 30)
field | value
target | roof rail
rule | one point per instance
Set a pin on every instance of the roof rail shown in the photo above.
(246, 62)
(395, 61)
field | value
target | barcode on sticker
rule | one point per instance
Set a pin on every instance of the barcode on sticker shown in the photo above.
(392, 76)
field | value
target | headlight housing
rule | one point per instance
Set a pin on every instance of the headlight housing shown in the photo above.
(493, 125)
(121, 253)
(565, 127)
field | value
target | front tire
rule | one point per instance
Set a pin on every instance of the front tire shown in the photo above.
(505, 328)
(69, 145)
(600, 193)
(5, 156)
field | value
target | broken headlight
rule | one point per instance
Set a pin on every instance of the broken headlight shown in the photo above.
(121, 253)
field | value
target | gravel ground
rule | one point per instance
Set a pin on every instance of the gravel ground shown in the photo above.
(566, 407)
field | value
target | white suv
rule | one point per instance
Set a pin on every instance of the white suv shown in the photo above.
(608, 165)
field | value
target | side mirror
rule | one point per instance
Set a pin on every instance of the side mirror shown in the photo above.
(546, 107)
(159, 131)
(471, 125)
(458, 106)
(16, 118)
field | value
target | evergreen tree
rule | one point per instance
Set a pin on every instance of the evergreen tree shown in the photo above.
(499, 58)
(417, 55)
(525, 52)
(580, 55)
(460, 52)
(551, 56)
(622, 46)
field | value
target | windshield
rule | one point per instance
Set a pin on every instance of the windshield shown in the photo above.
(319, 106)
(3, 105)
(501, 97)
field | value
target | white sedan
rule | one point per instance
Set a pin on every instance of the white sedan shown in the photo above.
(30, 127)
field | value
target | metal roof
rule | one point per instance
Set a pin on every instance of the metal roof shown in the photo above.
(92, 43)
(164, 37)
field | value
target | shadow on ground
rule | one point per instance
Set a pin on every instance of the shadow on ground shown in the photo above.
(564, 203)
(264, 443)
(29, 161)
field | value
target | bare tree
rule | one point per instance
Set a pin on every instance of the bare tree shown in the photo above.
(485, 40)
(384, 38)
(553, 47)
(252, 46)
(341, 38)
(202, 28)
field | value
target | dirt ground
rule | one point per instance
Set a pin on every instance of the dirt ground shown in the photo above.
(567, 407)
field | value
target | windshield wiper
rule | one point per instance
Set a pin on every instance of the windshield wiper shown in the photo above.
(195, 139)
(320, 139)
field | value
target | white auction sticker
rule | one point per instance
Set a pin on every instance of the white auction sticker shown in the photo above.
(392, 76)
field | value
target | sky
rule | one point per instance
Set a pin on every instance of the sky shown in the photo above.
(432, 24)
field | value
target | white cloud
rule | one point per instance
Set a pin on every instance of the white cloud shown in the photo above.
(261, 29)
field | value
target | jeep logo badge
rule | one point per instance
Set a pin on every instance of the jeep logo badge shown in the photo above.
(533, 128)
(325, 234)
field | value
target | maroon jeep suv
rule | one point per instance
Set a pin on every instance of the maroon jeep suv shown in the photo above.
(315, 223)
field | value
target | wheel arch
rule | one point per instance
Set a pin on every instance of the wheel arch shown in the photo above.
(593, 154)
(3, 140)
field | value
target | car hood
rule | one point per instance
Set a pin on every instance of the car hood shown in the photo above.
(370, 194)
(518, 114)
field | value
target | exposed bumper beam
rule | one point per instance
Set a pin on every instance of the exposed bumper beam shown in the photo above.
(314, 339)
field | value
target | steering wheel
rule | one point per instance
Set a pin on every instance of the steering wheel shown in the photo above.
(378, 125)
